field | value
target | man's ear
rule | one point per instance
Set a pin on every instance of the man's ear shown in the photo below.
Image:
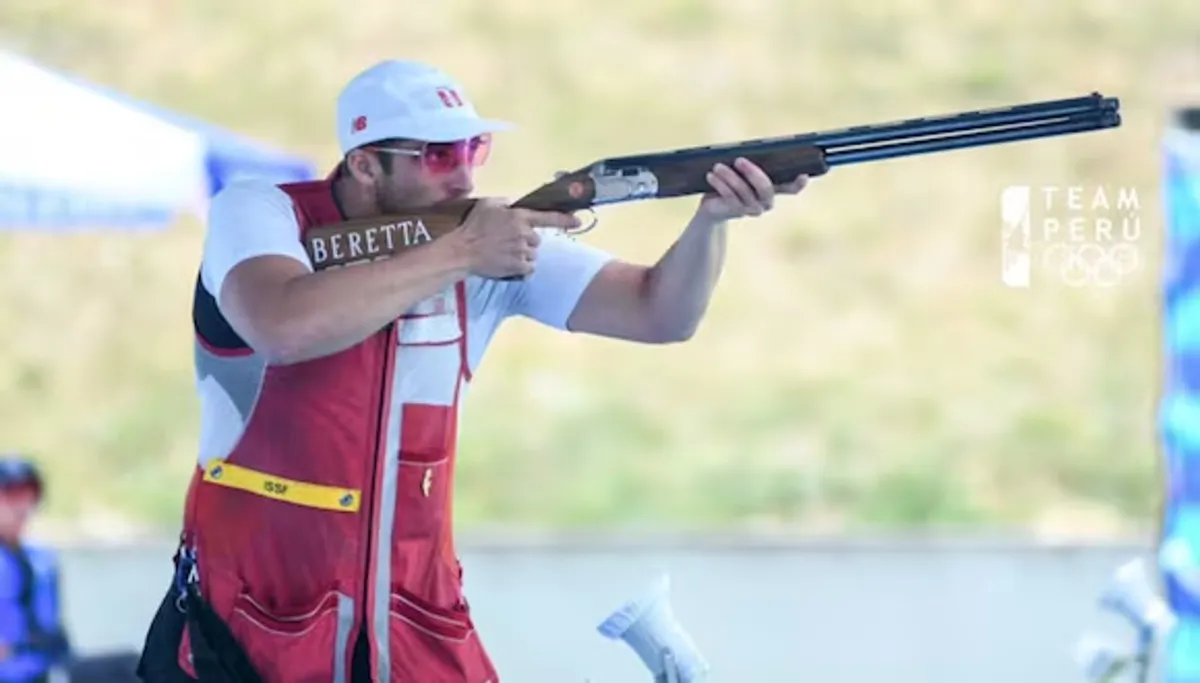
(363, 166)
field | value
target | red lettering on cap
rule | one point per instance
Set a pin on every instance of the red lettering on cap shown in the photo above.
(359, 125)
(449, 97)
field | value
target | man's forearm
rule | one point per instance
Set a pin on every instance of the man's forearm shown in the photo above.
(332, 310)
(681, 284)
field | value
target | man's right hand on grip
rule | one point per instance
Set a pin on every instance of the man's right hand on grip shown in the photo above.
(501, 242)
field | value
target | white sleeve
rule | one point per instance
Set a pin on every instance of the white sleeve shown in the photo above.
(565, 268)
(248, 219)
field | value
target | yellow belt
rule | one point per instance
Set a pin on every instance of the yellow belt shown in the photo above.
(300, 493)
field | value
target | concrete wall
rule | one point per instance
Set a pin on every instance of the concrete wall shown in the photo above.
(848, 611)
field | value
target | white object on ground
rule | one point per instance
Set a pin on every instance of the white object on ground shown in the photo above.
(1131, 595)
(649, 627)
(1100, 660)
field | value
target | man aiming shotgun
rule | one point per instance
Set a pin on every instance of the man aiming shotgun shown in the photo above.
(317, 537)
(317, 542)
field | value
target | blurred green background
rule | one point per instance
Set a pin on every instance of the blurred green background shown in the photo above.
(862, 364)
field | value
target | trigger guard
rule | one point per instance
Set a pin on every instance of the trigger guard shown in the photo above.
(575, 232)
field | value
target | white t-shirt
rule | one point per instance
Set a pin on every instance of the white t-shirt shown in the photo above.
(252, 218)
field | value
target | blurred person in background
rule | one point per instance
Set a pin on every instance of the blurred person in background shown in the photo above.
(317, 538)
(33, 643)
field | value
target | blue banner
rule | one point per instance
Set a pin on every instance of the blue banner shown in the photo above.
(1179, 554)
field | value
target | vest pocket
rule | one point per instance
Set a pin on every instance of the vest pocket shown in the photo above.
(439, 645)
(422, 497)
(302, 646)
(434, 321)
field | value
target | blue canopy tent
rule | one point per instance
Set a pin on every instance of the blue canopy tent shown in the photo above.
(81, 156)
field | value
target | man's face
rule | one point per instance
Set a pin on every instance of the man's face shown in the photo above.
(16, 506)
(417, 175)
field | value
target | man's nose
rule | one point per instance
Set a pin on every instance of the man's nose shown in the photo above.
(461, 180)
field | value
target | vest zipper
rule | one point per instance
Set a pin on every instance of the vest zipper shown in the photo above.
(380, 441)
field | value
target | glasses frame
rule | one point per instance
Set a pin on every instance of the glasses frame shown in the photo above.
(465, 157)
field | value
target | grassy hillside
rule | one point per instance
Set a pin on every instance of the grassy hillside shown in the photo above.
(862, 364)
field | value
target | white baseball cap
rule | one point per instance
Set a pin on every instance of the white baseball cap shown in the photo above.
(409, 100)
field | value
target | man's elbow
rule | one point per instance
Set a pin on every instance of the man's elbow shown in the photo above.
(288, 346)
(282, 340)
(672, 332)
(665, 323)
(265, 301)
(281, 332)
(680, 334)
(283, 354)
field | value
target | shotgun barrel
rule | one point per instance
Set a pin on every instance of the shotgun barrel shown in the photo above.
(932, 133)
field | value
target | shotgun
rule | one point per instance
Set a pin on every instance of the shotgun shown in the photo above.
(681, 172)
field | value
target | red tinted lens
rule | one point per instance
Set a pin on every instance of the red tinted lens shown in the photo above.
(443, 157)
(479, 148)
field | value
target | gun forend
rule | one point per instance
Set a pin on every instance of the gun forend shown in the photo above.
(603, 184)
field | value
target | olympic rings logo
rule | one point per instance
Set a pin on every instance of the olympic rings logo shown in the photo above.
(1092, 265)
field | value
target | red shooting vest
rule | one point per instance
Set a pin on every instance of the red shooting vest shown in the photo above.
(332, 514)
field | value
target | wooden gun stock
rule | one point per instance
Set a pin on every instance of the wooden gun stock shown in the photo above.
(370, 239)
